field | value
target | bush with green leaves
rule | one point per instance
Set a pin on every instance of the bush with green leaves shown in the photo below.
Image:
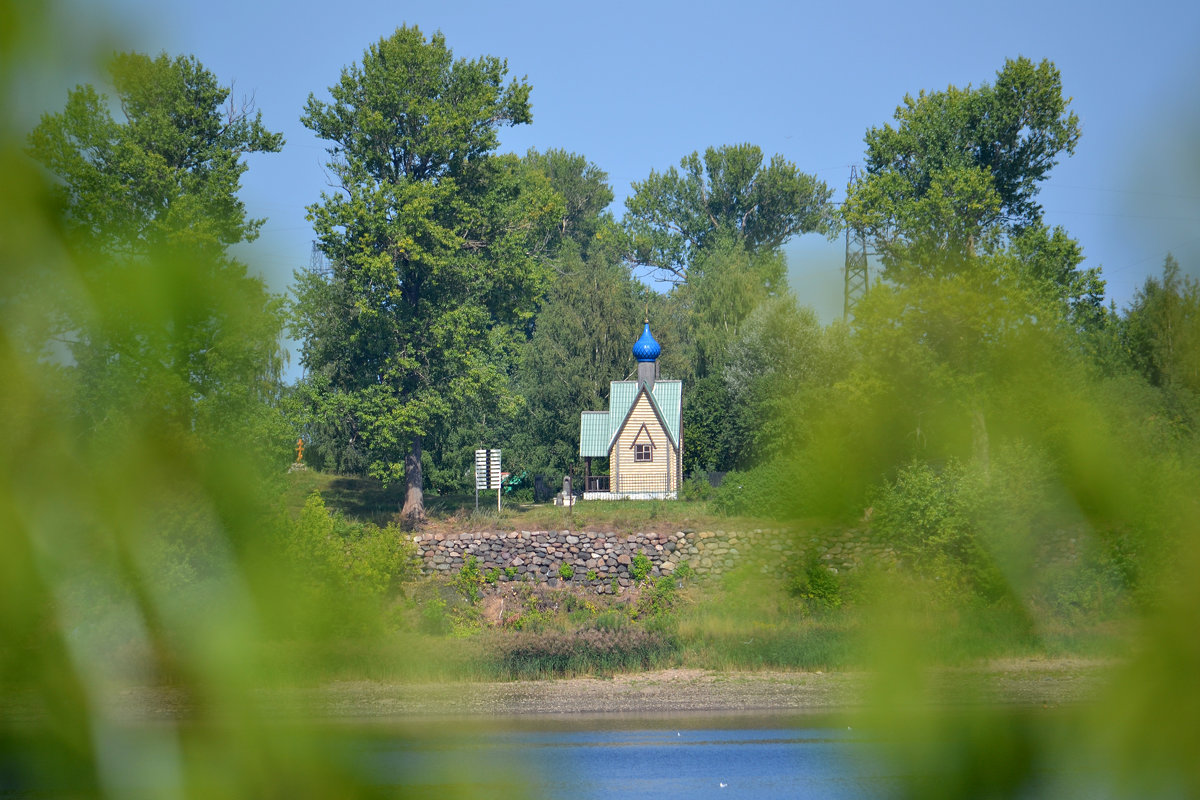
(434, 617)
(769, 490)
(1096, 583)
(469, 580)
(932, 516)
(640, 567)
(816, 585)
(696, 487)
(973, 527)
(566, 571)
(657, 598)
(340, 554)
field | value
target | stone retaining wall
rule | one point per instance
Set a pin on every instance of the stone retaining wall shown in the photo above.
(604, 561)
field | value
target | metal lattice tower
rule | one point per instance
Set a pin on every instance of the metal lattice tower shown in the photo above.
(857, 273)
(317, 262)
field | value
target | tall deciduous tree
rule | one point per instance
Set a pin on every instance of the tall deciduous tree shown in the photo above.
(715, 227)
(162, 318)
(167, 176)
(729, 192)
(585, 194)
(949, 199)
(581, 342)
(433, 242)
(1162, 330)
(960, 171)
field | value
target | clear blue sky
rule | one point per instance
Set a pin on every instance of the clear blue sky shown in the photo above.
(637, 85)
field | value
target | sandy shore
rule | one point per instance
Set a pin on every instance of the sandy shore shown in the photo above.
(677, 691)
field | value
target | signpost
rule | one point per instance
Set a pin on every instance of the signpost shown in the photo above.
(487, 474)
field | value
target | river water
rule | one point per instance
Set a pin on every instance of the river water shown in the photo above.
(692, 757)
(577, 757)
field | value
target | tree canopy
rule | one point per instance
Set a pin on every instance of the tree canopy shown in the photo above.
(729, 192)
(962, 167)
(435, 247)
(166, 176)
(150, 206)
(1162, 331)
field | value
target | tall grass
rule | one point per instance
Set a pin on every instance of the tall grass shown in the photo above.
(554, 654)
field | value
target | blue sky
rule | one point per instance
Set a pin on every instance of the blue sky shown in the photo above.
(634, 86)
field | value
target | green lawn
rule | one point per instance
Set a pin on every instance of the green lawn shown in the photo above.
(367, 500)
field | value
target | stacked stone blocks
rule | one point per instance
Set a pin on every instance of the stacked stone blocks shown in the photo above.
(604, 561)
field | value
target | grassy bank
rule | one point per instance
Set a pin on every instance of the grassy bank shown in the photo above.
(368, 500)
(792, 617)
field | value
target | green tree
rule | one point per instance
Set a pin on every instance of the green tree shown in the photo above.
(433, 241)
(726, 282)
(962, 166)
(729, 192)
(167, 176)
(779, 373)
(581, 336)
(958, 176)
(581, 341)
(1162, 331)
(714, 228)
(949, 199)
(585, 194)
(1048, 263)
(149, 207)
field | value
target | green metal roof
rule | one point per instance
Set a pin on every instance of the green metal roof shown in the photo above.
(669, 396)
(621, 395)
(597, 429)
(593, 434)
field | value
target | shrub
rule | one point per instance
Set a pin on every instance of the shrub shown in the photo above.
(1100, 582)
(566, 571)
(591, 575)
(764, 491)
(657, 598)
(929, 515)
(434, 618)
(640, 567)
(816, 585)
(469, 580)
(339, 554)
(377, 560)
(696, 487)
(965, 526)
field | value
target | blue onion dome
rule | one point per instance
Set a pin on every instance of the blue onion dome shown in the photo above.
(645, 348)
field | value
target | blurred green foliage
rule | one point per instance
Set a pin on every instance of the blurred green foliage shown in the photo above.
(979, 403)
(142, 450)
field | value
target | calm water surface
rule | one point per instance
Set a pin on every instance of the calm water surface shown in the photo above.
(633, 758)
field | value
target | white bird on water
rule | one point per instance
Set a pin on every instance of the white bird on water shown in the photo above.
(722, 785)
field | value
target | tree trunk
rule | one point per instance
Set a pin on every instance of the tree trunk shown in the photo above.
(414, 483)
